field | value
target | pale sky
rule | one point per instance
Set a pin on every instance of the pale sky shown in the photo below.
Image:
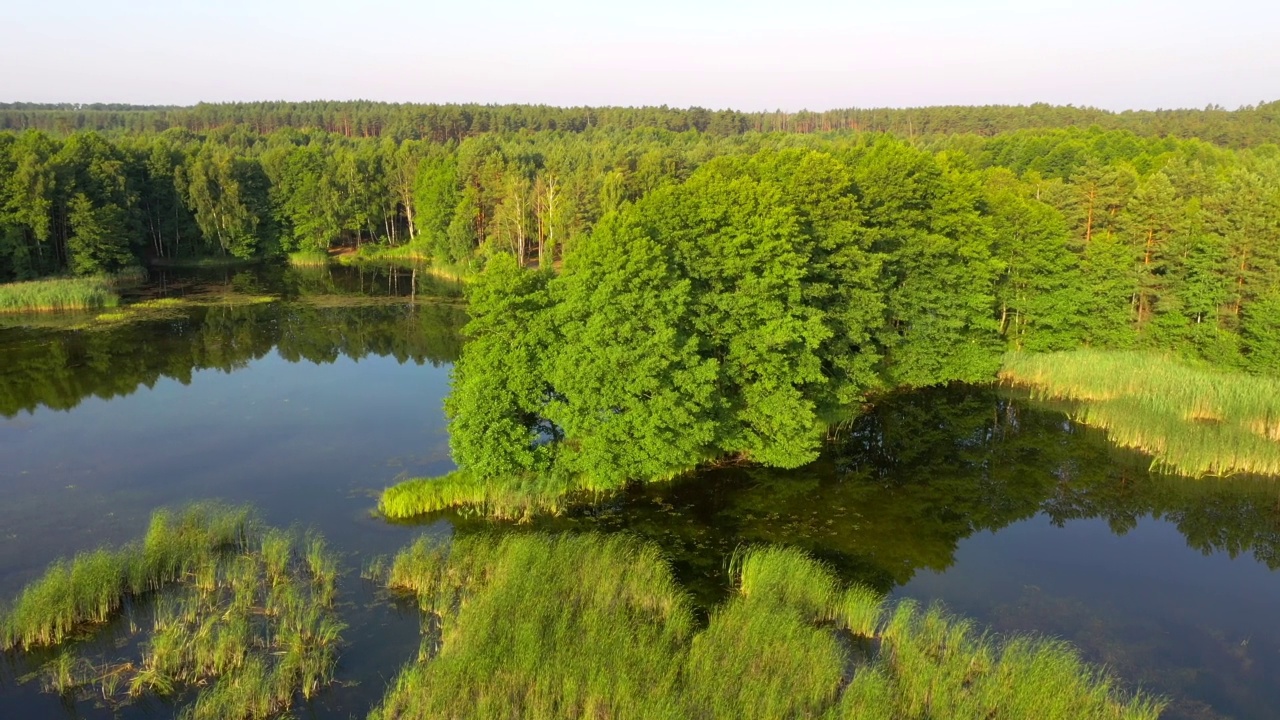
(744, 54)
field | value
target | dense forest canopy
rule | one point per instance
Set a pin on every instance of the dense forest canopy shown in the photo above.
(1244, 127)
(908, 257)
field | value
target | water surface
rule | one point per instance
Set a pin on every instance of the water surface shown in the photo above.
(309, 405)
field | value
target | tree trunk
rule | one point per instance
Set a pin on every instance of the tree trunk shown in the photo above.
(1088, 223)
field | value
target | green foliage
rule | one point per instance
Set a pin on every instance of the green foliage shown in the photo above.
(577, 626)
(99, 240)
(227, 196)
(926, 258)
(435, 195)
(497, 386)
(1261, 331)
(1040, 288)
(733, 314)
(631, 389)
(924, 215)
(1110, 132)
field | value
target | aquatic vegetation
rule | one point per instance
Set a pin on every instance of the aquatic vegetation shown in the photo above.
(381, 253)
(577, 626)
(168, 302)
(308, 259)
(244, 615)
(522, 634)
(58, 294)
(89, 588)
(1193, 421)
(460, 488)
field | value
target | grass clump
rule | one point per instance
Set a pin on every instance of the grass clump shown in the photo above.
(89, 588)
(308, 258)
(58, 294)
(244, 616)
(539, 626)
(542, 627)
(509, 499)
(1193, 421)
(407, 253)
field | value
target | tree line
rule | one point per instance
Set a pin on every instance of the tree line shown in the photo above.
(1049, 238)
(1244, 127)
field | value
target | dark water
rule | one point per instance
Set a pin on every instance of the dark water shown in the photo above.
(308, 406)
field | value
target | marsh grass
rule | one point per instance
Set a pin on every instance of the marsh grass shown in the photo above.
(407, 253)
(1193, 421)
(514, 498)
(587, 626)
(508, 499)
(89, 588)
(58, 294)
(375, 569)
(241, 613)
(308, 258)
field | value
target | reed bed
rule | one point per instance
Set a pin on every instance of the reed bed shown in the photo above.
(243, 614)
(511, 498)
(383, 253)
(308, 259)
(1193, 421)
(58, 294)
(505, 499)
(586, 626)
(89, 588)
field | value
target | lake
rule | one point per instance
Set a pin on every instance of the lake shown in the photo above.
(307, 406)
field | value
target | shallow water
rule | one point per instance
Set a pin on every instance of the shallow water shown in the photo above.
(307, 407)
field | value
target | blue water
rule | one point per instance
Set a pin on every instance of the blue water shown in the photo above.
(1034, 525)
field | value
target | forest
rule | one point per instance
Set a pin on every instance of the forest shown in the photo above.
(663, 293)
(1110, 237)
(1044, 238)
(1243, 127)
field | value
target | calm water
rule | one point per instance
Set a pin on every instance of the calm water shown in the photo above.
(307, 407)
